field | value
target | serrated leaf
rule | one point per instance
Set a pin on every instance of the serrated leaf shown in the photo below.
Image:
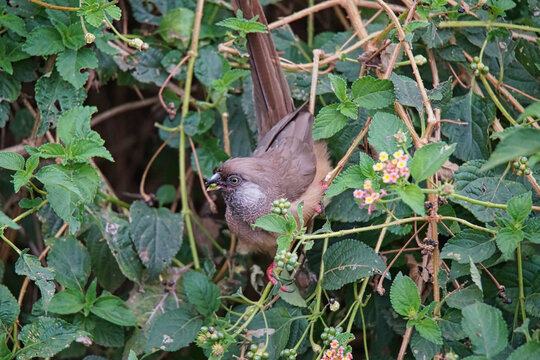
(532, 229)
(84, 149)
(348, 261)
(9, 310)
(429, 330)
(74, 124)
(45, 40)
(272, 223)
(339, 86)
(532, 304)
(71, 262)
(352, 178)
(69, 64)
(521, 142)
(328, 122)
(519, 207)
(473, 244)
(381, 131)
(13, 23)
(371, 93)
(243, 26)
(51, 91)
(475, 274)
(202, 293)
(423, 349)
(485, 327)
(464, 297)
(407, 91)
(47, 336)
(176, 27)
(472, 138)
(348, 109)
(531, 110)
(11, 160)
(69, 301)
(52, 150)
(508, 241)
(413, 196)
(278, 321)
(173, 330)
(30, 266)
(10, 88)
(429, 159)
(528, 351)
(157, 235)
(113, 309)
(404, 296)
(292, 296)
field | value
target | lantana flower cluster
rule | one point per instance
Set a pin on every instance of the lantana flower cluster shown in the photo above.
(336, 352)
(368, 196)
(393, 169)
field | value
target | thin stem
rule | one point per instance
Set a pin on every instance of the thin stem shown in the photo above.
(364, 335)
(471, 225)
(487, 24)
(485, 203)
(30, 211)
(497, 102)
(54, 7)
(12, 245)
(114, 200)
(520, 283)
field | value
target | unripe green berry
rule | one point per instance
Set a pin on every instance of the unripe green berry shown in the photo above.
(339, 330)
(485, 70)
(286, 352)
(522, 167)
(204, 329)
(280, 264)
(476, 59)
(292, 357)
(214, 336)
(480, 66)
(276, 210)
(476, 72)
(473, 66)
(221, 335)
(527, 171)
(257, 357)
(523, 160)
(253, 347)
(249, 354)
(265, 355)
(519, 173)
(324, 336)
(289, 268)
(515, 164)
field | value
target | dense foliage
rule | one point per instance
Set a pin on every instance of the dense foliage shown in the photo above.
(429, 244)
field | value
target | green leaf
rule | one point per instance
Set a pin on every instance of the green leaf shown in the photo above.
(413, 196)
(47, 336)
(11, 160)
(279, 321)
(9, 310)
(407, 91)
(529, 56)
(243, 26)
(508, 241)
(173, 330)
(105, 333)
(74, 124)
(532, 229)
(429, 159)
(69, 301)
(166, 194)
(210, 155)
(404, 296)
(531, 110)
(519, 207)
(84, 149)
(52, 150)
(29, 265)
(13, 23)
(328, 122)
(351, 178)
(485, 327)
(520, 142)
(45, 40)
(381, 131)
(423, 349)
(69, 64)
(339, 86)
(272, 223)
(6, 221)
(490, 189)
(371, 93)
(464, 297)
(348, 261)
(532, 304)
(202, 293)
(292, 296)
(176, 27)
(474, 244)
(157, 235)
(113, 309)
(528, 351)
(348, 109)
(475, 275)
(53, 94)
(71, 262)
(10, 88)
(284, 242)
(429, 330)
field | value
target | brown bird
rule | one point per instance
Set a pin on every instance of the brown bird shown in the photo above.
(287, 163)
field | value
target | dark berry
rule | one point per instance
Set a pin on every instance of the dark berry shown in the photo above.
(461, 10)
(485, 7)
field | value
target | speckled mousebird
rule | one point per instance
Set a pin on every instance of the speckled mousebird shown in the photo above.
(287, 163)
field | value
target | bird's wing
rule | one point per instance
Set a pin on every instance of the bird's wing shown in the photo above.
(288, 147)
(271, 93)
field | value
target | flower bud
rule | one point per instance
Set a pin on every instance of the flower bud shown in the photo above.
(89, 38)
(420, 60)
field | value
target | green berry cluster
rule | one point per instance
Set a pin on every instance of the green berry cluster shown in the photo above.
(286, 260)
(209, 335)
(478, 67)
(280, 206)
(255, 353)
(289, 354)
(521, 166)
(330, 334)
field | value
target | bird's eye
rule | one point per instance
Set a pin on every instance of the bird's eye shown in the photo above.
(234, 180)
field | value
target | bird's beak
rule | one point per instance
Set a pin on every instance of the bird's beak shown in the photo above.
(214, 183)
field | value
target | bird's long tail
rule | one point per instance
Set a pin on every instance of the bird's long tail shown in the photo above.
(271, 93)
